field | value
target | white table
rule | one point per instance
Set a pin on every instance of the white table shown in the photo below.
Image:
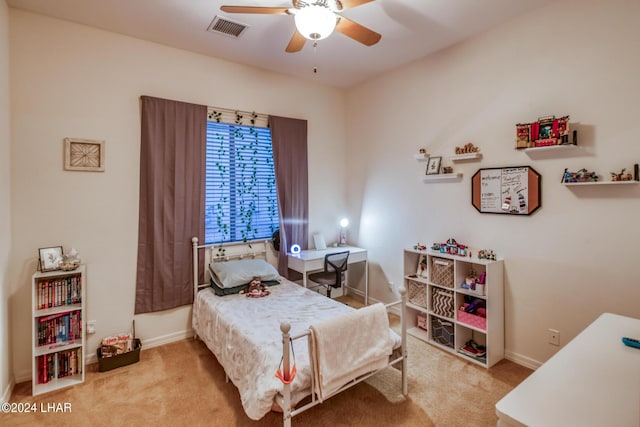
(313, 260)
(593, 381)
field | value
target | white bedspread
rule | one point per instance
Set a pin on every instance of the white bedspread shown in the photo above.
(244, 335)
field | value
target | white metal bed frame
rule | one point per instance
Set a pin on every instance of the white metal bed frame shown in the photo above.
(238, 251)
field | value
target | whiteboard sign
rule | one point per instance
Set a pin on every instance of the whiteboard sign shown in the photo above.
(512, 190)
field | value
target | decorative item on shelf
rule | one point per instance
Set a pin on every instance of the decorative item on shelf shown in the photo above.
(422, 267)
(70, 261)
(473, 283)
(451, 247)
(49, 259)
(547, 131)
(423, 152)
(582, 175)
(433, 166)
(447, 169)
(419, 247)
(487, 254)
(621, 176)
(467, 149)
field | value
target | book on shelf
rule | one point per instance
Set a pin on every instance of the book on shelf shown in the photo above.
(59, 365)
(60, 328)
(58, 292)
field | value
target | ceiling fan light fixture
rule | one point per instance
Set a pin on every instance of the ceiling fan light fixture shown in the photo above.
(315, 22)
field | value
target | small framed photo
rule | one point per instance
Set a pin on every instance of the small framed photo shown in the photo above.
(83, 155)
(50, 258)
(433, 166)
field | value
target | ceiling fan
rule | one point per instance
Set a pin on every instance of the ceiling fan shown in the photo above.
(315, 20)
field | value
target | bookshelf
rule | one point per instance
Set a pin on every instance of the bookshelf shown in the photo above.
(58, 335)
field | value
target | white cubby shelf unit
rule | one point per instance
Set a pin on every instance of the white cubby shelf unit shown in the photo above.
(447, 327)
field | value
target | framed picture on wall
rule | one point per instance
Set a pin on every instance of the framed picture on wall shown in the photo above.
(433, 166)
(83, 155)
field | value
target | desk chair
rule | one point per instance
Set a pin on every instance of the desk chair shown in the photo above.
(335, 265)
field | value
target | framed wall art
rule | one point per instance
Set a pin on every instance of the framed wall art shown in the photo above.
(433, 166)
(50, 258)
(83, 155)
(511, 190)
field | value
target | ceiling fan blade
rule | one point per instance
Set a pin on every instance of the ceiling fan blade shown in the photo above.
(349, 4)
(357, 32)
(256, 9)
(296, 43)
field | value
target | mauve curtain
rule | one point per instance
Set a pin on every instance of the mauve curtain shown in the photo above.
(172, 168)
(289, 140)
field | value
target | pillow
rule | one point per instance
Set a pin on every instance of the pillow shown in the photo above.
(220, 291)
(230, 274)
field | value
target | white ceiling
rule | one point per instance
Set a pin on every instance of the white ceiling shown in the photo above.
(410, 29)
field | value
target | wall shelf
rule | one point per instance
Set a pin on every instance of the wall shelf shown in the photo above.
(575, 184)
(420, 157)
(442, 177)
(557, 148)
(466, 156)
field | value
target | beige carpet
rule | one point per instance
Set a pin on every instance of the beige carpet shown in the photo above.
(183, 384)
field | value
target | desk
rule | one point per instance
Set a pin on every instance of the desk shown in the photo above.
(593, 381)
(313, 260)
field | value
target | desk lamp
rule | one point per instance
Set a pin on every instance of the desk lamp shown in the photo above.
(344, 222)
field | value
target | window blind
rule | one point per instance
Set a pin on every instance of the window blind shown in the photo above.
(240, 192)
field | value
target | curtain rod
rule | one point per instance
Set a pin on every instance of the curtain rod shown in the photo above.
(245, 118)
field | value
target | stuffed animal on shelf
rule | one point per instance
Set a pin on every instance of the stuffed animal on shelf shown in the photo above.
(256, 289)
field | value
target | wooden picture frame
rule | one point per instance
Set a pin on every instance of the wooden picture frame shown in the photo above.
(433, 165)
(49, 258)
(83, 155)
(513, 190)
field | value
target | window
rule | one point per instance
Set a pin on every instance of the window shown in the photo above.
(240, 192)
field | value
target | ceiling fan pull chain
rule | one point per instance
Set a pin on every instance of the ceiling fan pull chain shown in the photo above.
(315, 68)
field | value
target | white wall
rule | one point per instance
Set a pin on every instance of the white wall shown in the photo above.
(74, 81)
(6, 377)
(577, 256)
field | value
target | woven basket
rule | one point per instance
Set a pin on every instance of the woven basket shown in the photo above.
(418, 293)
(442, 272)
(442, 302)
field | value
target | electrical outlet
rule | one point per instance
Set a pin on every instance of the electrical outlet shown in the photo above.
(91, 326)
(553, 337)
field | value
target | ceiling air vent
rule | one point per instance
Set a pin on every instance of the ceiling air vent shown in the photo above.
(228, 28)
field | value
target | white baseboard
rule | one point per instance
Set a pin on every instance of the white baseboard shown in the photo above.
(395, 309)
(527, 362)
(23, 376)
(6, 394)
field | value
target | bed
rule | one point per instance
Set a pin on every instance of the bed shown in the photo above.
(253, 338)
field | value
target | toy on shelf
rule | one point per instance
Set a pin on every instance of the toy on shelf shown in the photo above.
(621, 176)
(423, 152)
(451, 247)
(420, 247)
(446, 169)
(467, 149)
(487, 254)
(545, 132)
(582, 175)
